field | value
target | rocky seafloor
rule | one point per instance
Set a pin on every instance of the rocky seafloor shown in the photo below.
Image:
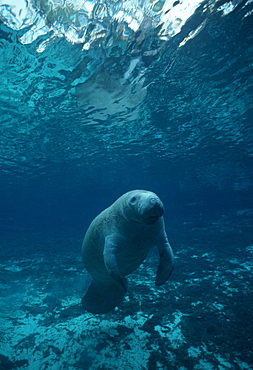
(201, 319)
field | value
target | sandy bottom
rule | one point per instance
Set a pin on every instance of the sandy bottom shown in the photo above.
(201, 319)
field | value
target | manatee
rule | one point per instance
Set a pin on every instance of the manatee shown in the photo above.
(117, 242)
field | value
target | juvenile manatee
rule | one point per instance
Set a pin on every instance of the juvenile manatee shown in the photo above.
(118, 241)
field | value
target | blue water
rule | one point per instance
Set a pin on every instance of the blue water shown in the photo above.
(79, 128)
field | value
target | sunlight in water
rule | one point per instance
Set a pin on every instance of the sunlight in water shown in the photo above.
(139, 28)
(95, 24)
(166, 79)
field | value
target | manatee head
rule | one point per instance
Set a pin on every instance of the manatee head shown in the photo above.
(143, 206)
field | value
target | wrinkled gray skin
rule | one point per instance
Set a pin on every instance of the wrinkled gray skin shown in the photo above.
(118, 241)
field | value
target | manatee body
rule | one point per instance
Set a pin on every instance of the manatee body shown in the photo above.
(118, 241)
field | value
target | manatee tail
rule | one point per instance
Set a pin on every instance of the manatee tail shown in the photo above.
(102, 298)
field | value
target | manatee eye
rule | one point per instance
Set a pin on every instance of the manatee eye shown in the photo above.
(133, 200)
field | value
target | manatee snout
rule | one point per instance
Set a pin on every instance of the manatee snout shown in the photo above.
(152, 210)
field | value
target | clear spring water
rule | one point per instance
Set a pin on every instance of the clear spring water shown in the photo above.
(98, 98)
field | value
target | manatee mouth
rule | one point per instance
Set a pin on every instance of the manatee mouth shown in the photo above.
(151, 220)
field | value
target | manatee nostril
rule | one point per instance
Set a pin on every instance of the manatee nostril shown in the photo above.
(153, 200)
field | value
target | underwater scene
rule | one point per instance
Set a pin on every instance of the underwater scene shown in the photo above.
(126, 185)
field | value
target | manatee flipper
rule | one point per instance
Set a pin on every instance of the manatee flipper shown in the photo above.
(110, 260)
(166, 263)
(102, 298)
